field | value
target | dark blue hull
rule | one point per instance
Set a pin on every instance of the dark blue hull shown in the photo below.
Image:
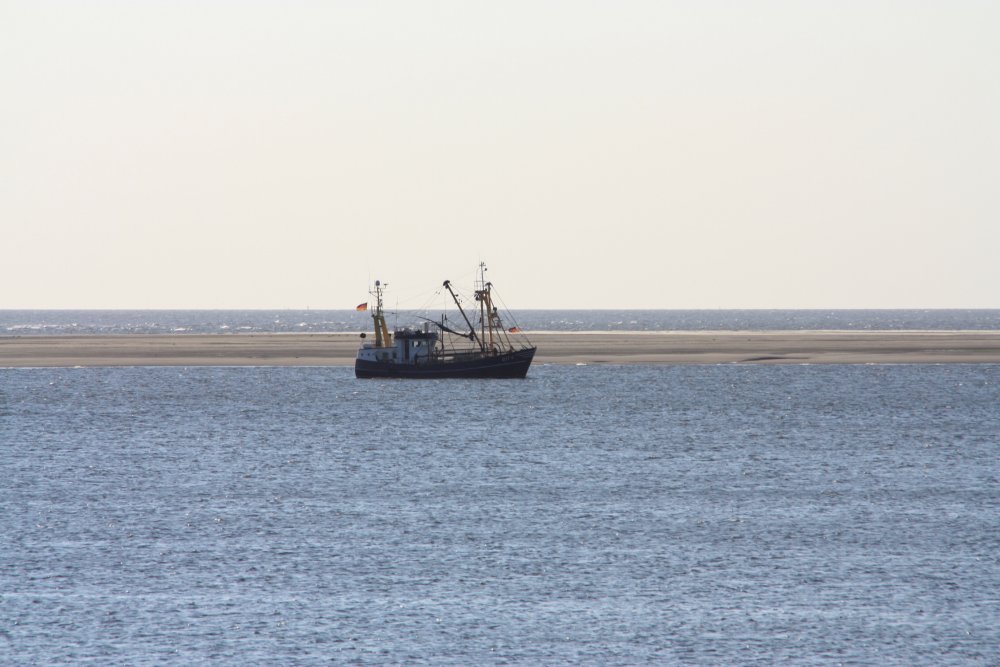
(506, 365)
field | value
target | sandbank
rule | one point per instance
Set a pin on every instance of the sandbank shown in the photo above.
(687, 347)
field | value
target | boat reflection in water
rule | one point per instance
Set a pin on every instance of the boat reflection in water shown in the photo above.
(489, 348)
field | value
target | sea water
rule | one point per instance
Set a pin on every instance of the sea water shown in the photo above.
(585, 515)
(62, 322)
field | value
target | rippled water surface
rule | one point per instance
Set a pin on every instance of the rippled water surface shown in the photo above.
(586, 515)
(64, 322)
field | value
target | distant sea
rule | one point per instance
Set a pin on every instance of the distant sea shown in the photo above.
(65, 322)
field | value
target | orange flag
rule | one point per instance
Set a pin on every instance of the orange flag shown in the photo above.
(362, 306)
(514, 330)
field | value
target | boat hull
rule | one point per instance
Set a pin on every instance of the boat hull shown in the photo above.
(509, 365)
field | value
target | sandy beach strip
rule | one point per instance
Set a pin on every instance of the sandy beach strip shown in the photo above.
(698, 347)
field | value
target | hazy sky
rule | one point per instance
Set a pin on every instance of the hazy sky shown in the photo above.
(702, 154)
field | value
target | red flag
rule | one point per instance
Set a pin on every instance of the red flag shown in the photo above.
(362, 306)
(514, 330)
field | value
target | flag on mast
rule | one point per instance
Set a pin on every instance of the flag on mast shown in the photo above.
(362, 306)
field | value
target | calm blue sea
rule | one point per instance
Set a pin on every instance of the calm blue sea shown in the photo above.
(601, 515)
(54, 322)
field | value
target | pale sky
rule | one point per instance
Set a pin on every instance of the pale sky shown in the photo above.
(662, 154)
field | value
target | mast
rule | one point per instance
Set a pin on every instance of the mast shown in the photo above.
(447, 286)
(486, 310)
(482, 311)
(382, 336)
